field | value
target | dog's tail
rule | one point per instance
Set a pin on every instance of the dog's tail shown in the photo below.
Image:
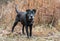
(16, 9)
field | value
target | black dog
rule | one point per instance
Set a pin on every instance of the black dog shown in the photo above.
(26, 19)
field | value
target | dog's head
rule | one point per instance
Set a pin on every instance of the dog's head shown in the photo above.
(30, 14)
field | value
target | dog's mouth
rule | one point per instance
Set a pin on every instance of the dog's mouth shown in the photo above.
(31, 19)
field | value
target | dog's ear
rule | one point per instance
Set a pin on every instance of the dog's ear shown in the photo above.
(34, 10)
(27, 10)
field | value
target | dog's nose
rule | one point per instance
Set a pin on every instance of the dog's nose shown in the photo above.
(31, 16)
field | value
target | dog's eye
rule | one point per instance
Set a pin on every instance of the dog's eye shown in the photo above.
(32, 12)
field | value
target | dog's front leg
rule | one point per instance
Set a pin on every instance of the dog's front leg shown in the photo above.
(30, 30)
(27, 31)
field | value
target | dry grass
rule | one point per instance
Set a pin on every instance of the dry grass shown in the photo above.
(41, 32)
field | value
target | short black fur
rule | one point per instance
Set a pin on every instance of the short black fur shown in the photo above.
(26, 19)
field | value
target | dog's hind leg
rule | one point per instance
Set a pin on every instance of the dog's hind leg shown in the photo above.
(15, 23)
(23, 29)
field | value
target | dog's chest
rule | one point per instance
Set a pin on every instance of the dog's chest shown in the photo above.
(29, 22)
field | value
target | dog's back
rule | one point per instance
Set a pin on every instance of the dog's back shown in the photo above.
(21, 16)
